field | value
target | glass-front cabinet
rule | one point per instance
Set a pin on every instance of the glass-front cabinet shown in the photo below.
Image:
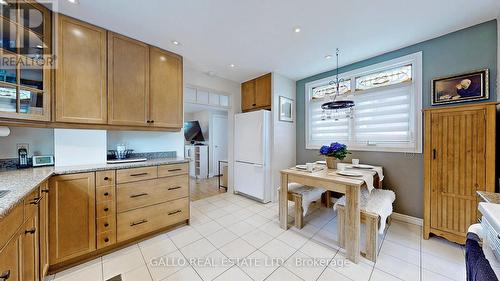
(25, 60)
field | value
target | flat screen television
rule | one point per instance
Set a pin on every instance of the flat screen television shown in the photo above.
(192, 131)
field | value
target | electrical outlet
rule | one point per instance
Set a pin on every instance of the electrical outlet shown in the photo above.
(24, 145)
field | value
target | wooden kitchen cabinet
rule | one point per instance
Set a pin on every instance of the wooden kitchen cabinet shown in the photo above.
(43, 229)
(30, 250)
(257, 93)
(165, 89)
(9, 260)
(248, 95)
(128, 81)
(263, 91)
(80, 93)
(25, 90)
(72, 211)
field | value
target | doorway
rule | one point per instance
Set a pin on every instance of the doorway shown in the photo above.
(207, 150)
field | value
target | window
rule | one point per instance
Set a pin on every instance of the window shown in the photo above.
(387, 114)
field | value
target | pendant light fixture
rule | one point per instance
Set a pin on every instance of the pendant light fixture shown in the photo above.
(337, 108)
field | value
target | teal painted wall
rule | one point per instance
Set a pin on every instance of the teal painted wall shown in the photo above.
(458, 52)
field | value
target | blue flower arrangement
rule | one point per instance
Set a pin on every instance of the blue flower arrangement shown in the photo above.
(336, 150)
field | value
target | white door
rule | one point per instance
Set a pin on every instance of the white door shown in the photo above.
(219, 137)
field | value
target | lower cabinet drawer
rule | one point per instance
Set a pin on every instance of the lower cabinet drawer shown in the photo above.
(105, 208)
(105, 193)
(31, 202)
(144, 193)
(148, 219)
(105, 239)
(106, 224)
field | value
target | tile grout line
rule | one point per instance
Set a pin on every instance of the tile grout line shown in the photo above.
(145, 262)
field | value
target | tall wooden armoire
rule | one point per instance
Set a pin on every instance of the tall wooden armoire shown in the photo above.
(459, 159)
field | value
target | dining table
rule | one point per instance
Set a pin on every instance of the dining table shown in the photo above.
(330, 180)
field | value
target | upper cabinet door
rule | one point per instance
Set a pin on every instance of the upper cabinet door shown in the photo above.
(128, 81)
(165, 89)
(248, 95)
(263, 91)
(26, 49)
(81, 73)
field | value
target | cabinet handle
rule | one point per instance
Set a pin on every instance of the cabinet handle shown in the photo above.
(174, 212)
(172, 188)
(106, 193)
(139, 174)
(434, 153)
(139, 222)
(148, 121)
(106, 209)
(35, 201)
(106, 178)
(106, 224)
(31, 231)
(5, 275)
(106, 239)
(45, 190)
(254, 104)
(175, 170)
(138, 195)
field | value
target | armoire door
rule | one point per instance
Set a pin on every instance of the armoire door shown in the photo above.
(458, 159)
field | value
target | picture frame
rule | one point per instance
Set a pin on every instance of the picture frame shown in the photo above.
(472, 86)
(286, 111)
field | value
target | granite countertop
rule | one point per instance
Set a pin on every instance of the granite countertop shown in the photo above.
(21, 182)
(489, 197)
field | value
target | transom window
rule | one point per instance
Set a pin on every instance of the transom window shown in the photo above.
(387, 114)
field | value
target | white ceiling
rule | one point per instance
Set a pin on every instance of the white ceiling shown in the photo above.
(257, 36)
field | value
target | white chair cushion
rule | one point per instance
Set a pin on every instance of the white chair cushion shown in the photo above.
(379, 201)
(309, 194)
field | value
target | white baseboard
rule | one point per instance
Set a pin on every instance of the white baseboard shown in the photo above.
(407, 219)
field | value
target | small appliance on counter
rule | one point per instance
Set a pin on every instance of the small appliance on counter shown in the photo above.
(23, 158)
(122, 155)
(43, 160)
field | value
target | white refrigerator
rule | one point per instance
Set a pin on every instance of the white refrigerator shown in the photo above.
(252, 167)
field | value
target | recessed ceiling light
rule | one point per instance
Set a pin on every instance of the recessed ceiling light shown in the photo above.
(328, 57)
(74, 1)
(3, 2)
(232, 65)
(296, 29)
(176, 43)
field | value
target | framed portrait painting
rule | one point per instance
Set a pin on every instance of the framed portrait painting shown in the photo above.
(286, 109)
(460, 88)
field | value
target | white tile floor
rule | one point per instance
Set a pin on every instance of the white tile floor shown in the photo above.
(231, 226)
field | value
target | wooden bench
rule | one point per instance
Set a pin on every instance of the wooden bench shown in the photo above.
(371, 222)
(371, 232)
(296, 197)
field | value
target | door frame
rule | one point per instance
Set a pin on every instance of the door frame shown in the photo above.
(213, 165)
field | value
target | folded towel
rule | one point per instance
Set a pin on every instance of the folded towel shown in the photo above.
(379, 201)
(477, 266)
